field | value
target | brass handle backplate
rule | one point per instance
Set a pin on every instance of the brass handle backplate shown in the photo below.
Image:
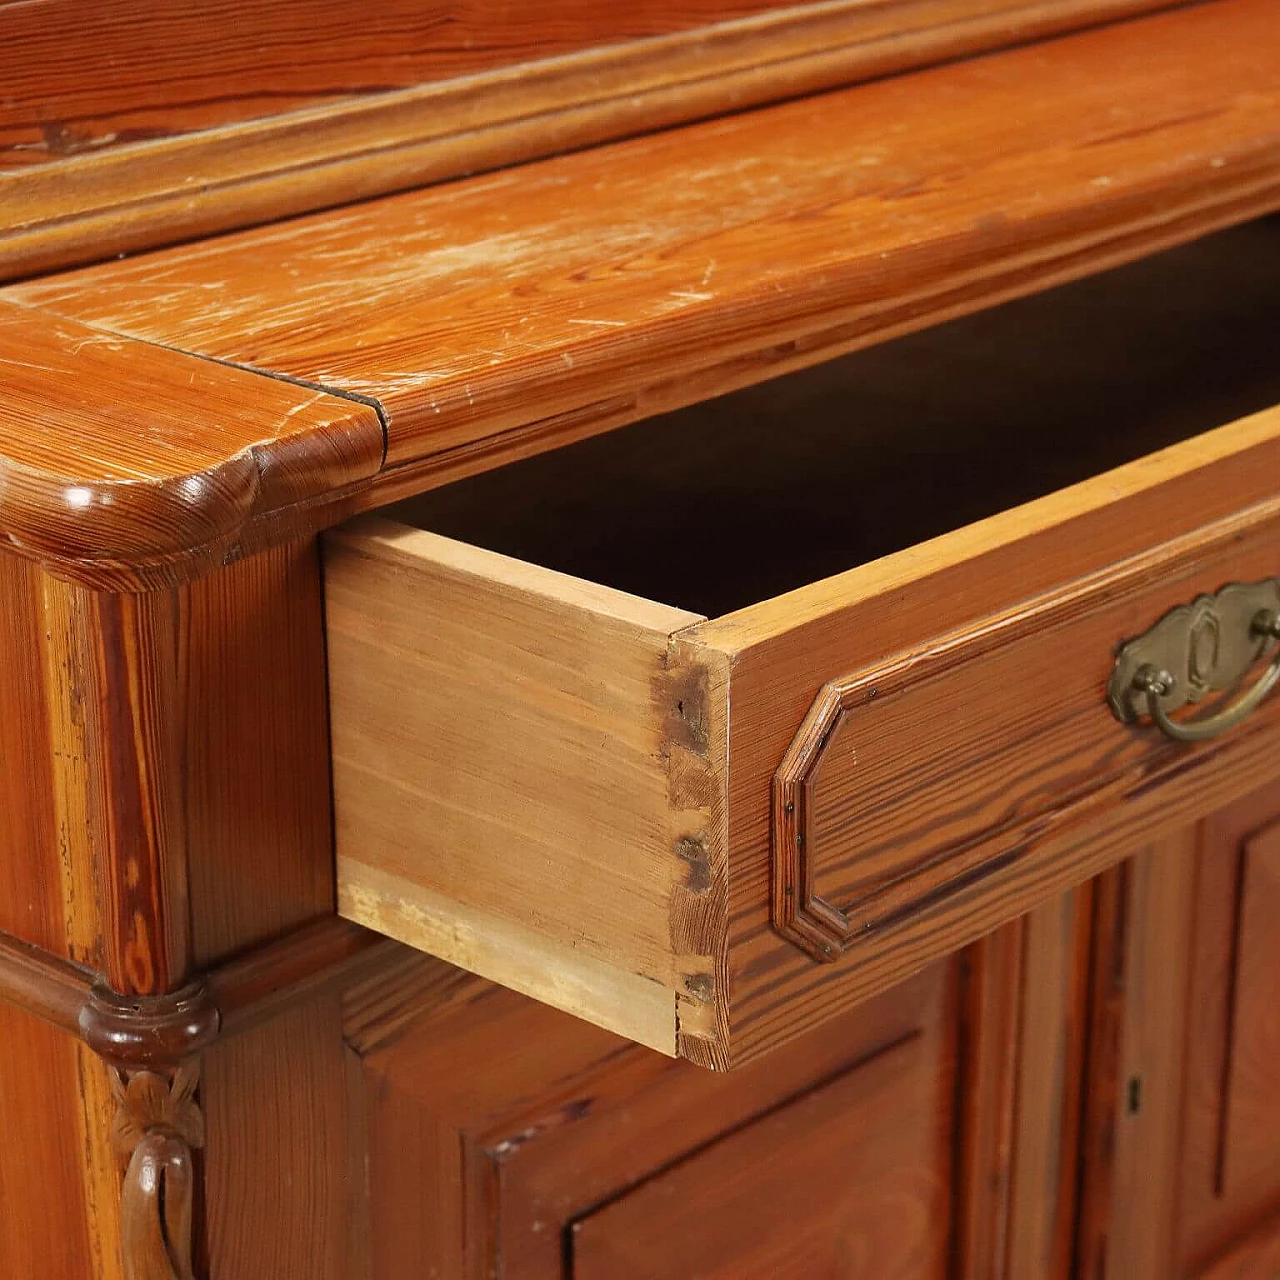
(1203, 647)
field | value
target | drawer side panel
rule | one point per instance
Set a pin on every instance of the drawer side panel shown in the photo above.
(513, 790)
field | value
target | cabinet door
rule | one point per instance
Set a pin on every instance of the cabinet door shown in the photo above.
(1182, 1161)
(500, 1137)
(849, 1180)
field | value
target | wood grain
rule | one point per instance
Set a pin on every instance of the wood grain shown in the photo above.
(1134, 1097)
(259, 847)
(1214, 1214)
(147, 165)
(539, 835)
(1256, 1257)
(275, 1166)
(509, 1121)
(1059, 583)
(42, 1183)
(780, 649)
(128, 72)
(843, 1182)
(1251, 1125)
(1043, 1190)
(499, 316)
(991, 1033)
(31, 906)
(120, 453)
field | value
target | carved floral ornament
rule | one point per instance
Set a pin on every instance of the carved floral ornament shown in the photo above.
(157, 1126)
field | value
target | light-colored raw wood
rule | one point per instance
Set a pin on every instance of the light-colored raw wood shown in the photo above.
(505, 950)
(167, 126)
(506, 779)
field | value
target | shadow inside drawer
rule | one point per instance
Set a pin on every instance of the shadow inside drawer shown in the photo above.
(743, 497)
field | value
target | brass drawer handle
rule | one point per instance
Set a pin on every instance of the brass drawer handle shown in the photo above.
(1196, 649)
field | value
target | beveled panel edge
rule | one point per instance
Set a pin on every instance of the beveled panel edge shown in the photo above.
(827, 930)
(142, 195)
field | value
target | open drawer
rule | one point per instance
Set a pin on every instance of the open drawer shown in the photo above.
(713, 823)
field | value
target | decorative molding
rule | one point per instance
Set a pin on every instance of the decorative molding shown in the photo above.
(799, 913)
(148, 1031)
(125, 198)
(160, 1031)
(157, 1126)
(152, 1046)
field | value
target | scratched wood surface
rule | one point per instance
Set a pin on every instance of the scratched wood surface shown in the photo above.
(131, 124)
(506, 314)
(122, 453)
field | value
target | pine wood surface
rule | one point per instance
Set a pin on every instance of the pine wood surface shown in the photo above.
(1057, 582)
(502, 315)
(1178, 1171)
(512, 1122)
(135, 124)
(123, 453)
(125, 72)
(844, 1182)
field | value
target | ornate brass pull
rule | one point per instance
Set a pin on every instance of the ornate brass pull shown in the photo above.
(1195, 649)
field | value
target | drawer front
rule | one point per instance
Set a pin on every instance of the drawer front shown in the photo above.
(713, 835)
(973, 769)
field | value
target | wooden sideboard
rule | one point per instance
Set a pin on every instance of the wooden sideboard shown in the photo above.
(582, 720)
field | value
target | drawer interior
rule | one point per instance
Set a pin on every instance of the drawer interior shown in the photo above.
(822, 470)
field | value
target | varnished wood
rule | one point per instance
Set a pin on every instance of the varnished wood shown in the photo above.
(1158, 1194)
(1251, 1125)
(841, 1182)
(258, 809)
(158, 1127)
(1135, 1086)
(1044, 1179)
(276, 1178)
(1215, 1210)
(1256, 1257)
(516, 324)
(50, 1208)
(496, 1123)
(159, 157)
(992, 1032)
(31, 898)
(126, 456)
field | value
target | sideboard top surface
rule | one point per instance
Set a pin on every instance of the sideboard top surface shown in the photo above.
(344, 359)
